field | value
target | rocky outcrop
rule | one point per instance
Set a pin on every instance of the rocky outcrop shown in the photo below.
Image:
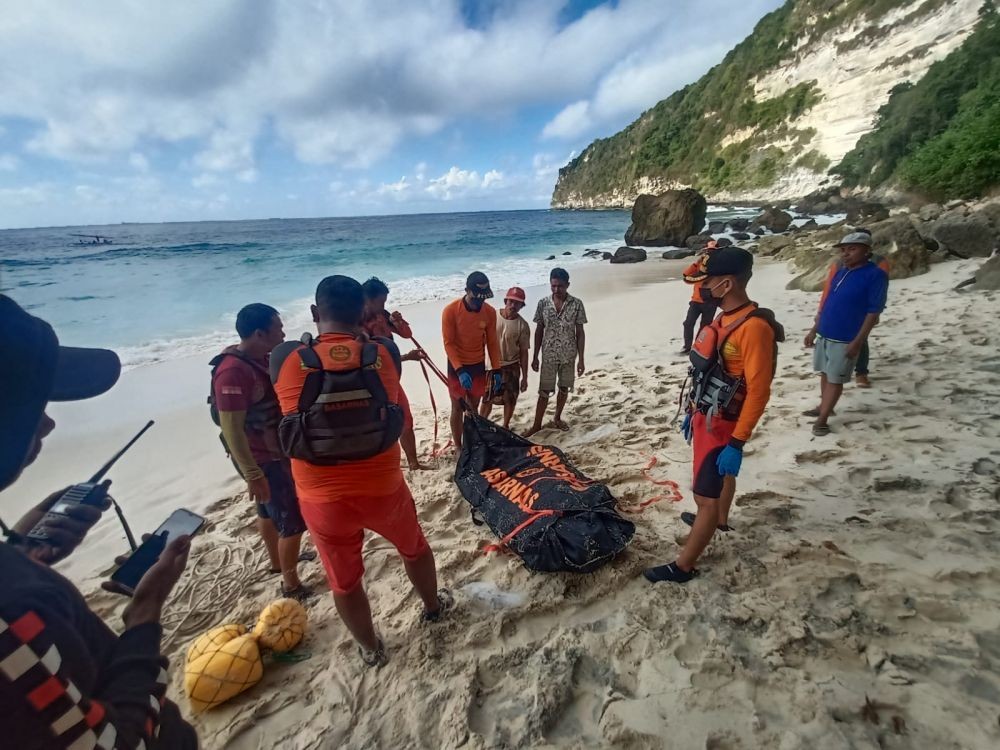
(716, 227)
(966, 237)
(667, 219)
(988, 276)
(773, 219)
(850, 54)
(629, 255)
(773, 243)
(739, 224)
(678, 253)
(896, 239)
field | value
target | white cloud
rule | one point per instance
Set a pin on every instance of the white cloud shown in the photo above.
(460, 183)
(654, 70)
(340, 81)
(571, 122)
(8, 162)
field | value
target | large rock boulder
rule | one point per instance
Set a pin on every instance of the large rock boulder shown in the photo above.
(678, 253)
(930, 211)
(966, 237)
(896, 239)
(988, 276)
(866, 212)
(773, 219)
(697, 242)
(716, 227)
(773, 243)
(742, 236)
(667, 219)
(629, 255)
(739, 224)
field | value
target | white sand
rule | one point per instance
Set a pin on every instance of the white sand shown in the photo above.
(863, 565)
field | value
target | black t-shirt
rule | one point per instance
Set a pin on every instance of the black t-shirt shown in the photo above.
(65, 676)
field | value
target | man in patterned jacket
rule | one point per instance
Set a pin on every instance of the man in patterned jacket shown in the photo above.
(66, 680)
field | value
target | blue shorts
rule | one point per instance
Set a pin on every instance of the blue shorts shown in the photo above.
(283, 507)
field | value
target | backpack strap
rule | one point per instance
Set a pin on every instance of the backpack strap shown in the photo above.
(370, 376)
(313, 384)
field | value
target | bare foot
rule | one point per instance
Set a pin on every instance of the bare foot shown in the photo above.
(559, 424)
(417, 466)
(532, 431)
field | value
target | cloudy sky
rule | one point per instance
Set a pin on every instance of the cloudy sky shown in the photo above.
(127, 110)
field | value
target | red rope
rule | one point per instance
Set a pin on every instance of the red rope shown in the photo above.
(673, 494)
(501, 546)
(425, 360)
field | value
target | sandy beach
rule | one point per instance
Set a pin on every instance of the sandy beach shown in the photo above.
(854, 605)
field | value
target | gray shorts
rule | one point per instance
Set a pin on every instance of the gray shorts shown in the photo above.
(830, 358)
(552, 374)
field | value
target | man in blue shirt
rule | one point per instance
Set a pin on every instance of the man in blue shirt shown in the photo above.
(856, 297)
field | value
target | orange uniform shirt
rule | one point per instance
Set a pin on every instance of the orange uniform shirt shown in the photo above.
(695, 274)
(749, 351)
(466, 334)
(372, 477)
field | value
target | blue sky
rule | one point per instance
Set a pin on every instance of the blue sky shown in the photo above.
(229, 109)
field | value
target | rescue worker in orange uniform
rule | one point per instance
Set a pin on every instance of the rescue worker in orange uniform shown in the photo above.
(469, 328)
(733, 362)
(339, 394)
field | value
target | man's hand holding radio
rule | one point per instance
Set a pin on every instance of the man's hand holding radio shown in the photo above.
(65, 531)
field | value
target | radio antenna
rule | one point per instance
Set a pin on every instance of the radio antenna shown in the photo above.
(107, 467)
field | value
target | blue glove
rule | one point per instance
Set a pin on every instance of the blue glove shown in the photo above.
(465, 379)
(729, 461)
(686, 430)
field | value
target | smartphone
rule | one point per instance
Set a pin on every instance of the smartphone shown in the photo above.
(182, 522)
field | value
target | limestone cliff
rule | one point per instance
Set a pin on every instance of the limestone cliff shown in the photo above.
(785, 105)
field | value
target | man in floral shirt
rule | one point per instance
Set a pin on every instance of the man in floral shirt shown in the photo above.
(559, 335)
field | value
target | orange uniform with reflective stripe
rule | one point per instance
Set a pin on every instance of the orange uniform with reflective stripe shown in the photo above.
(749, 351)
(695, 275)
(371, 477)
(467, 334)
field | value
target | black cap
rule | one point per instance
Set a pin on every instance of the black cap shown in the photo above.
(479, 285)
(729, 261)
(37, 370)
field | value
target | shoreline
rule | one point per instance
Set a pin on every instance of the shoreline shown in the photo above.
(180, 462)
(843, 585)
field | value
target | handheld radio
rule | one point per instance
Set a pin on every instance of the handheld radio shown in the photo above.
(92, 492)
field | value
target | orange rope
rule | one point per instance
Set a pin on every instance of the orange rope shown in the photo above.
(501, 546)
(673, 493)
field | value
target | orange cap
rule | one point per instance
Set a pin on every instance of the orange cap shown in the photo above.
(515, 293)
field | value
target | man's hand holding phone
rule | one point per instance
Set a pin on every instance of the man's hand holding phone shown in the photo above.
(155, 586)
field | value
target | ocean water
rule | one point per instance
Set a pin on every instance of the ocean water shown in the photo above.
(166, 290)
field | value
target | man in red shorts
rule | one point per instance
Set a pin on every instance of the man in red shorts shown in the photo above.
(469, 327)
(378, 321)
(342, 497)
(247, 413)
(733, 361)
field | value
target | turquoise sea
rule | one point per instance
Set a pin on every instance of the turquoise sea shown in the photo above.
(165, 290)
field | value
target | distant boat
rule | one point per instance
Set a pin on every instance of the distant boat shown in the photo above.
(91, 239)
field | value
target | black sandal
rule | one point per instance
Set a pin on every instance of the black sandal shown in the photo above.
(445, 602)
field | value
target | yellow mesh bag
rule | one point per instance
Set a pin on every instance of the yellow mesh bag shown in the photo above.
(213, 639)
(215, 677)
(281, 625)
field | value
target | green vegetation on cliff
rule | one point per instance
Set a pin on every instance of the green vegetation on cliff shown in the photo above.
(940, 136)
(681, 138)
